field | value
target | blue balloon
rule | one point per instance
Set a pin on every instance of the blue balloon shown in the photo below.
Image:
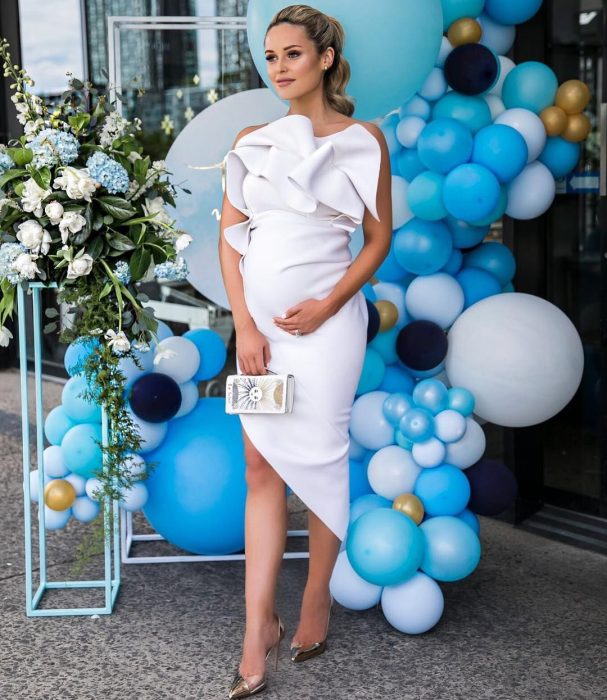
(384, 546)
(495, 258)
(502, 150)
(444, 144)
(455, 262)
(453, 549)
(444, 490)
(390, 270)
(212, 351)
(408, 163)
(57, 424)
(513, 11)
(76, 406)
(560, 156)
(471, 111)
(369, 292)
(415, 107)
(425, 196)
(131, 371)
(460, 400)
(415, 606)
(470, 192)
(423, 247)
(198, 504)
(77, 353)
(464, 234)
(359, 482)
(477, 284)
(372, 371)
(432, 395)
(396, 405)
(498, 210)
(402, 441)
(417, 425)
(471, 519)
(457, 9)
(163, 331)
(397, 379)
(81, 451)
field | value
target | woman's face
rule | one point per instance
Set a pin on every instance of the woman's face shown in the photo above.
(294, 66)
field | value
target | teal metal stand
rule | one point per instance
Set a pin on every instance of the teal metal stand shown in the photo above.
(111, 581)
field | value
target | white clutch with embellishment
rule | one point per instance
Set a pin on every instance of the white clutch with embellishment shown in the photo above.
(260, 393)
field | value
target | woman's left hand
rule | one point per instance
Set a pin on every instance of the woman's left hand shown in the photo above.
(306, 316)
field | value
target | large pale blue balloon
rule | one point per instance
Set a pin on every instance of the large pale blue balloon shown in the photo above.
(403, 36)
(415, 606)
(453, 549)
(349, 589)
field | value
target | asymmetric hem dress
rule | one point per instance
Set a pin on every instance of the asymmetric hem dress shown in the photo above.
(303, 196)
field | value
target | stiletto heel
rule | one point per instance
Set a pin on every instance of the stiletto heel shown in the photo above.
(240, 687)
(299, 653)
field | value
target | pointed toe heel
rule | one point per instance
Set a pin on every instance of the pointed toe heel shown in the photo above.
(300, 653)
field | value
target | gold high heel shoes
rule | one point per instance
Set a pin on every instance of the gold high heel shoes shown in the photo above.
(300, 653)
(240, 687)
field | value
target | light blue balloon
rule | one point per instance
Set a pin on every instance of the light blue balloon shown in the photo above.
(415, 606)
(560, 156)
(349, 589)
(477, 284)
(198, 504)
(455, 262)
(396, 405)
(498, 210)
(497, 37)
(425, 196)
(367, 502)
(453, 549)
(417, 425)
(470, 192)
(151, 434)
(461, 400)
(456, 9)
(408, 163)
(471, 519)
(513, 11)
(464, 234)
(372, 372)
(423, 247)
(530, 85)
(81, 452)
(163, 331)
(502, 150)
(385, 546)
(444, 144)
(368, 425)
(495, 258)
(77, 353)
(432, 395)
(74, 404)
(212, 351)
(131, 371)
(359, 482)
(84, 510)
(473, 112)
(57, 424)
(397, 378)
(415, 107)
(444, 490)
(356, 451)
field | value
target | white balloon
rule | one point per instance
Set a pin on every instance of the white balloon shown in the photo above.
(445, 49)
(531, 192)
(435, 86)
(450, 425)
(93, 485)
(52, 459)
(506, 65)
(401, 213)
(392, 471)
(496, 106)
(519, 355)
(390, 291)
(438, 298)
(34, 476)
(56, 519)
(151, 434)
(429, 453)
(85, 510)
(469, 449)
(178, 357)
(78, 482)
(415, 605)
(134, 498)
(351, 590)
(408, 131)
(529, 126)
(189, 398)
(498, 37)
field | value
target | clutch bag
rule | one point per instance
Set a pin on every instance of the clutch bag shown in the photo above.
(260, 393)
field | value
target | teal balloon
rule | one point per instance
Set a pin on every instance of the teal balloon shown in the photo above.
(471, 111)
(498, 210)
(417, 425)
(501, 149)
(385, 344)
(530, 85)
(460, 400)
(454, 263)
(513, 11)
(432, 395)
(402, 441)
(444, 490)
(366, 502)
(397, 379)
(423, 247)
(385, 546)
(372, 371)
(212, 351)
(81, 451)
(425, 196)
(495, 258)
(464, 234)
(408, 163)
(75, 405)
(405, 48)
(443, 144)
(456, 9)
(471, 192)
(560, 156)
(477, 284)
(453, 549)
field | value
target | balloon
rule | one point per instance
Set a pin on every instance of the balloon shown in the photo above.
(493, 487)
(385, 344)
(470, 192)
(470, 519)
(572, 96)
(530, 85)
(84, 510)
(81, 452)
(397, 378)
(453, 550)
(401, 213)
(454, 264)
(59, 494)
(349, 589)
(367, 502)
(384, 546)
(454, 10)
(151, 434)
(464, 31)
(178, 357)
(55, 519)
(497, 37)
(155, 397)
(408, 163)
(134, 465)
(75, 405)
(93, 488)
(189, 398)
(390, 270)
(443, 144)
(530, 127)
(513, 11)
(414, 606)
(470, 110)
(368, 424)
(432, 395)
(469, 448)
(410, 505)
(494, 258)
(373, 322)
(54, 464)
(396, 405)
(421, 345)
(434, 86)
(461, 400)
(531, 193)
(417, 424)
(437, 298)
(464, 234)
(428, 454)
(408, 130)
(501, 149)
(415, 106)
(394, 293)
(477, 284)
(135, 497)
(425, 196)
(392, 471)
(423, 247)
(78, 482)
(554, 120)
(77, 353)
(444, 490)
(560, 156)
(212, 349)
(388, 314)
(450, 425)
(57, 424)
(471, 69)
(577, 129)
(359, 482)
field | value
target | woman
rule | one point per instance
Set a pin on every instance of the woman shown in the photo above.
(295, 190)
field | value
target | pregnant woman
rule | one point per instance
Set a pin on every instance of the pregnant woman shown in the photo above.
(295, 190)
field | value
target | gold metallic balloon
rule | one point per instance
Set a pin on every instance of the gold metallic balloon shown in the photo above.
(388, 314)
(554, 119)
(578, 128)
(59, 494)
(410, 505)
(572, 96)
(464, 31)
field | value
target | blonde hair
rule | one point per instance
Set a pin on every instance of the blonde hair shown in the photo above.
(324, 31)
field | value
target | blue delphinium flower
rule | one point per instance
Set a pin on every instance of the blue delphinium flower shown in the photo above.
(6, 162)
(52, 147)
(9, 252)
(172, 271)
(108, 172)
(122, 272)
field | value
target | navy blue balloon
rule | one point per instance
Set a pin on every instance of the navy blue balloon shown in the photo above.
(155, 397)
(493, 487)
(471, 69)
(373, 324)
(421, 345)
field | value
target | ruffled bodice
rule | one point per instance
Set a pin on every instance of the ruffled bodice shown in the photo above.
(284, 166)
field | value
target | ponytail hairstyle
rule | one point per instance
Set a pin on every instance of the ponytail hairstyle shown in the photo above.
(324, 31)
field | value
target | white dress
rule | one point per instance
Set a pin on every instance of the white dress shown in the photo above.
(303, 196)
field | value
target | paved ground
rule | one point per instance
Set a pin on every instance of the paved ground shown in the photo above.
(530, 622)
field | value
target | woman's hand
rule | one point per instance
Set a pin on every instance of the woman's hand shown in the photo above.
(252, 349)
(306, 316)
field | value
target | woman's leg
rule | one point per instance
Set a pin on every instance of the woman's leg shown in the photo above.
(265, 540)
(324, 548)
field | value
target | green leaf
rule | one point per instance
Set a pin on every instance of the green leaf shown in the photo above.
(42, 177)
(140, 169)
(118, 207)
(21, 156)
(119, 241)
(11, 174)
(95, 247)
(79, 121)
(139, 263)
(51, 312)
(106, 290)
(107, 219)
(50, 327)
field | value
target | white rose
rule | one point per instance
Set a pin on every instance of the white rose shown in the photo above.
(182, 242)
(31, 199)
(25, 265)
(156, 206)
(71, 222)
(76, 182)
(34, 237)
(118, 341)
(5, 336)
(80, 266)
(54, 211)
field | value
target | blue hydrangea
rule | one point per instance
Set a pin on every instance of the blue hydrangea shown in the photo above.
(8, 254)
(122, 272)
(172, 271)
(53, 147)
(108, 172)
(6, 162)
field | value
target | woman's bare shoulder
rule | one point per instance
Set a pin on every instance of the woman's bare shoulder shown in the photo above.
(373, 129)
(247, 130)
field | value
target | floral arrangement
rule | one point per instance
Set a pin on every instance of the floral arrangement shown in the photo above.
(83, 208)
